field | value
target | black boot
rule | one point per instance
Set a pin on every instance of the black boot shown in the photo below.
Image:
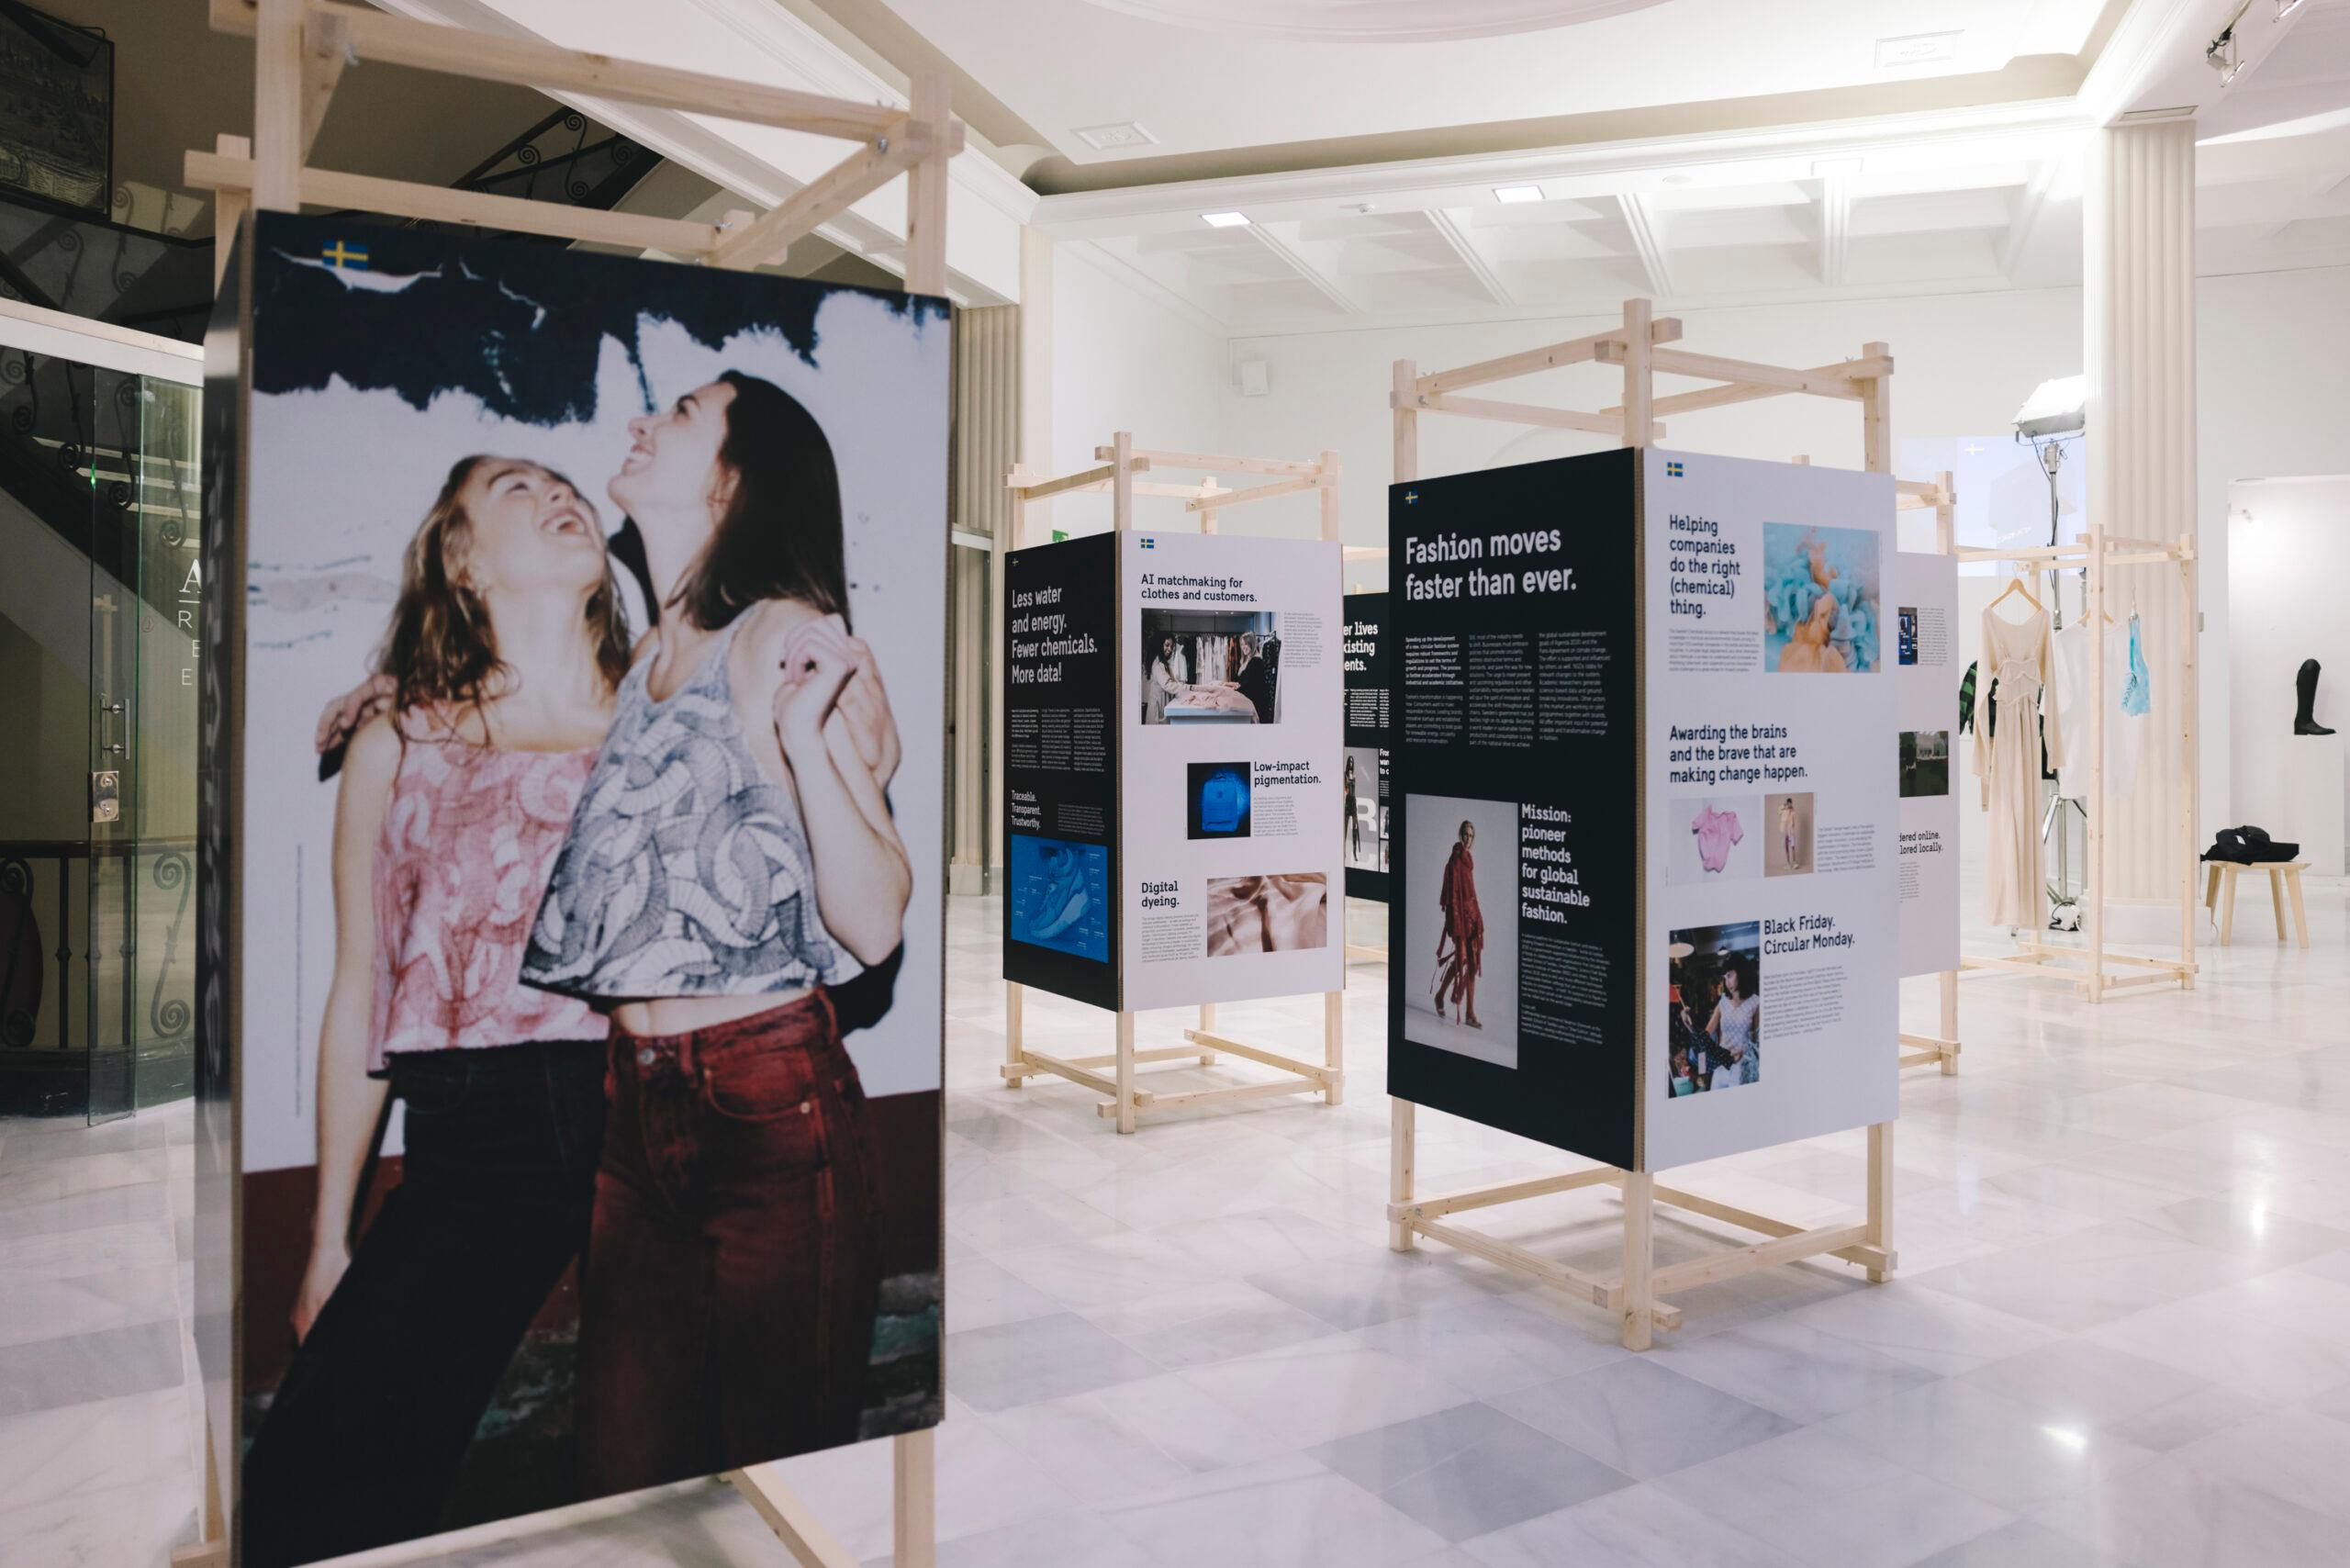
(2305, 722)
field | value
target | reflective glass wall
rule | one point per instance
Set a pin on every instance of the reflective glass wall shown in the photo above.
(99, 515)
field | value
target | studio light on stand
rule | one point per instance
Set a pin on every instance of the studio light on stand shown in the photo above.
(2056, 412)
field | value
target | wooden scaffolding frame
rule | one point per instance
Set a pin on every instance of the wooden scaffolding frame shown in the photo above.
(1120, 462)
(2093, 970)
(1636, 1294)
(301, 49)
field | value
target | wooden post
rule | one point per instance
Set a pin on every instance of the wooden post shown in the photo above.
(2189, 569)
(1013, 1001)
(1640, 401)
(1403, 1149)
(228, 207)
(1880, 1212)
(1640, 1187)
(277, 106)
(2100, 672)
(930, 116)
(1407, 421)
(1876, 413)
(1945, 542)
(1334, 1033)
(1125, 1069)
(914, 1499)
(1122, 483)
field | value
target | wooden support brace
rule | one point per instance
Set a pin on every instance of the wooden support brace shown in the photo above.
(1176, 1102)
(325, 49)
(1259, 1054)
(1517, 413)
(496, 57)
(1509, 1193)
(789, 1515)
(1214, 463)
(767, 237)
(1261, 493)
(1552, 356)
(223, 173)
(1077, 1074)
(1038, 489)
(1717, 1266)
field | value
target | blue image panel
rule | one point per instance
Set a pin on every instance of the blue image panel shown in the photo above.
(1060, 896)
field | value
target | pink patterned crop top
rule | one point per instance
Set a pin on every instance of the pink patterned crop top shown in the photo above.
(460, 865)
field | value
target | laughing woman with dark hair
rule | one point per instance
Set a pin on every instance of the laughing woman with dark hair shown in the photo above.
(732, 862)
(505, 647)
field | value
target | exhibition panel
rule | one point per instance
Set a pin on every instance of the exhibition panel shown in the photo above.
(727, 846)
(1169, 826)
(1787, 562)
(1368, 710)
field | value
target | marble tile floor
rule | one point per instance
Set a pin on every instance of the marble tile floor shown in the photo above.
(2119, 1335)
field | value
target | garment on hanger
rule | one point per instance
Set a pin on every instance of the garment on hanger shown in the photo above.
(2125, 735)
(2136, 695)
(2017, 655)
(1717, 833)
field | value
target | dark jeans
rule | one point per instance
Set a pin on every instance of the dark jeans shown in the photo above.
(728, 1309)
(362, 1444)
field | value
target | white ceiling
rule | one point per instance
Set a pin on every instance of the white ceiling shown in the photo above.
(1066, 65)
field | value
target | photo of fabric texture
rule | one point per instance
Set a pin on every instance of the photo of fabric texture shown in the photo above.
(1820, 600)
(1268, 914)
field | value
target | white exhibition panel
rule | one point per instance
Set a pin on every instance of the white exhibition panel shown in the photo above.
(1796, 723)
(1219, 906)
(1922, 634)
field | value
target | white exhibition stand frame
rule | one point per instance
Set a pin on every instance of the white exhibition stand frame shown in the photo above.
(1637, 1295)
(301, 49)
(1120, 461)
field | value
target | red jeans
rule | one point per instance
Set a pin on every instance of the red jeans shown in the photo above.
(726, 1312)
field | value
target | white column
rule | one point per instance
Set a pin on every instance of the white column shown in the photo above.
(2138, 220)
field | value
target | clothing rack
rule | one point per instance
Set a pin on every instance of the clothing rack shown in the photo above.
(1120, 462)
(1639, 346)
(2094, 970)
(301, 50)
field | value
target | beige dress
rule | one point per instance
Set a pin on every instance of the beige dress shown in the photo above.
(2016, 655)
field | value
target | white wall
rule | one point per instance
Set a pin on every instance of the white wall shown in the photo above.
(2289, 543)
(2275, 374)
(1125, 359)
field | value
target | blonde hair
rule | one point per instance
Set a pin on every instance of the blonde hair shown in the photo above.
(442, 648)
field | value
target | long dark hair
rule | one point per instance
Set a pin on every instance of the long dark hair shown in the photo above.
(781, 537)
(442, 648)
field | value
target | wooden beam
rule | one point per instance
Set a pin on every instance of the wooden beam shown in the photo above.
(767, 237)
(1176, 1102)
(403, 198)
(1827, 377)
(794, 1522)
(1261, 493)
(229, 205)
(1514, 413)
(1216, 463)
(1257, 1053)
(1509, 1193)
(1746, 1260)
(1037, 490)
(532, 63)
(1518, 1261)
(277, 106)
(1839, 380)
(1509, 367)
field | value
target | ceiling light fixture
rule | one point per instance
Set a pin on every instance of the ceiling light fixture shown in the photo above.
(2224, 56)
(2286, 7)
(1225, 219)
(1509, 195)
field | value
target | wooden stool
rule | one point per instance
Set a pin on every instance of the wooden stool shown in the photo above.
(2283, 879)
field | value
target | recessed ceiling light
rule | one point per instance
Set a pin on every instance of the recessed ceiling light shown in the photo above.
(1125, 133)
(1225, 219)
(1680, 179)
(1509, 195)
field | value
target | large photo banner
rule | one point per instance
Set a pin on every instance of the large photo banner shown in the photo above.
(1230, 769)
(1369, 708)
(1926, 664)
(590, 854)
(1772, 944)
(1060, 769)
(1514, 920)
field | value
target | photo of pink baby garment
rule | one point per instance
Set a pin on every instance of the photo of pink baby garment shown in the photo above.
(1716, 832)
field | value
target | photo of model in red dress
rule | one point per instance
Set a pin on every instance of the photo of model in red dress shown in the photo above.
(1460, 963)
